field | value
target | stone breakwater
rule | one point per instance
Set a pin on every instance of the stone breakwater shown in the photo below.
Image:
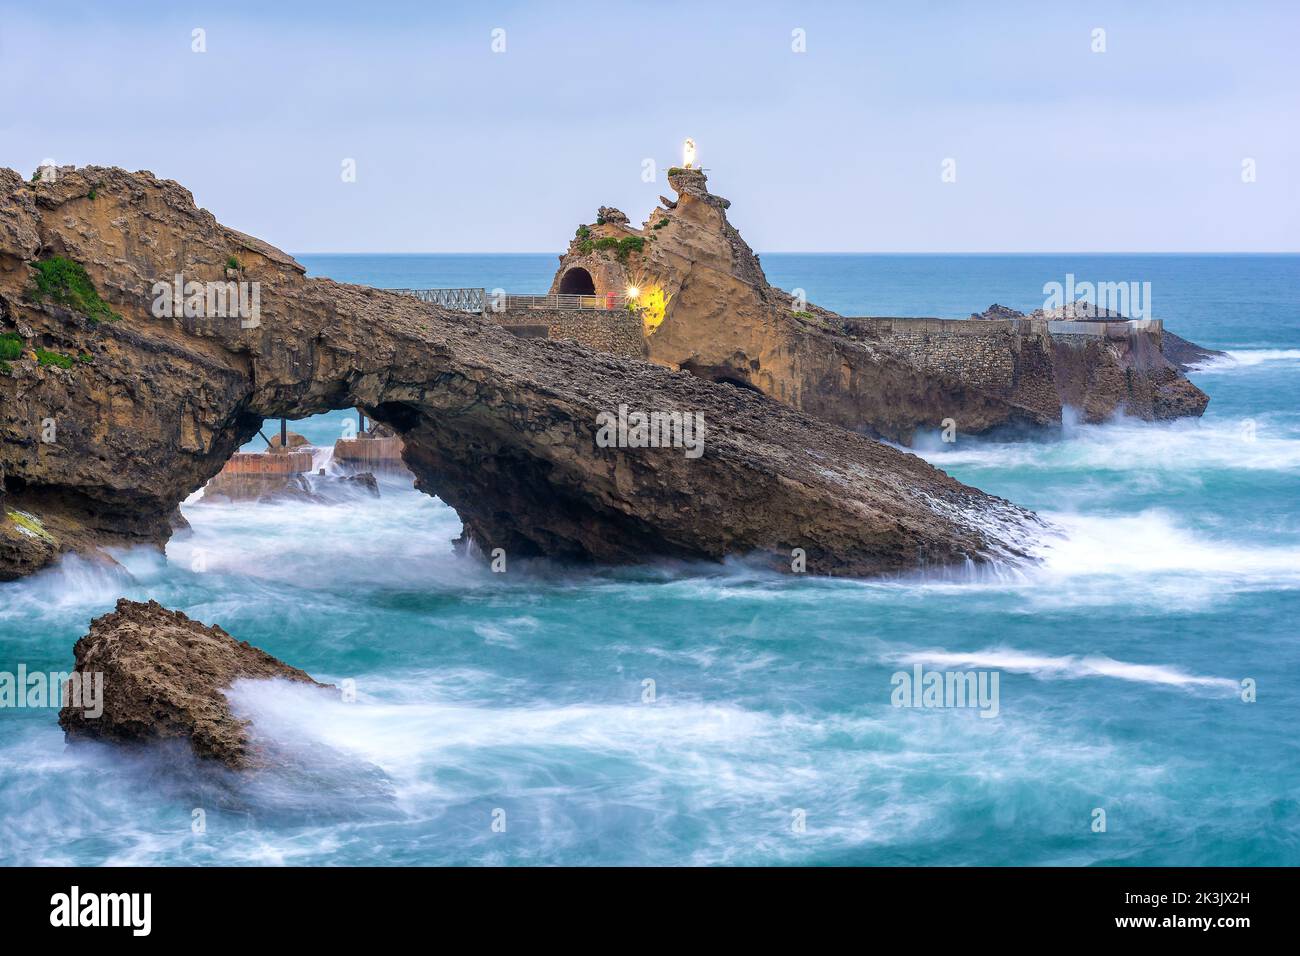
(101, 446)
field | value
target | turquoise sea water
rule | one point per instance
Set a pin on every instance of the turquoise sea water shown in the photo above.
(520, 697)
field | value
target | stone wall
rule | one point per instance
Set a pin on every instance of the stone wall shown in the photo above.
(616, 331)
(1007, 358)
(1041, 365)
(980, 353)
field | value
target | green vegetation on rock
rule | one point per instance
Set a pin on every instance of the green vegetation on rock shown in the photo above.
(64, 281)
(232, 263)
(11, 345)
(46, 357)
(621, 247)
(31, 524)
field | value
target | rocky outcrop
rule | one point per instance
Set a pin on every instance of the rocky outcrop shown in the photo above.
(164, 677)
(148, 402)
(1186, 355)
(724, 322)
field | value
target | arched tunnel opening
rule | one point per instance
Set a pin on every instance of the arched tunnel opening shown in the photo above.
(577, 281)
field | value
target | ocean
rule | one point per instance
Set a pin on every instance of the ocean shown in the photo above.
(722, 714)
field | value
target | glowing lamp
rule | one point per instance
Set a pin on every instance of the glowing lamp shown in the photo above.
(633, 292)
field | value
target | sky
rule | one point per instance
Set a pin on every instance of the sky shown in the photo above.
(1181, 136)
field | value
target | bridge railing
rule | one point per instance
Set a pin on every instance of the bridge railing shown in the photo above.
(480, 301)
(520, 303)
(461, 300)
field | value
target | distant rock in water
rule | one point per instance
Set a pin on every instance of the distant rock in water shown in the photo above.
(997, 312)
(163, 678)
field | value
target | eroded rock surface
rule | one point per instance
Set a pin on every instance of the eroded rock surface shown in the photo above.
(164, 678)
(503, 429)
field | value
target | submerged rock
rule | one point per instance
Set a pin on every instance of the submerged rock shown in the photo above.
(164, 677)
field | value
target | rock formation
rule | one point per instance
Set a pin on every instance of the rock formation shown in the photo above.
(140, 393)
(888, 377)
(164, 677)
(1186, 355)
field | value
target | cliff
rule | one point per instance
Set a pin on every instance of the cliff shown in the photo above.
(118, 407)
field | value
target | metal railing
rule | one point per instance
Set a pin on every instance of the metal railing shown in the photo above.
(519, 303)
(479, 301)
(461, 300)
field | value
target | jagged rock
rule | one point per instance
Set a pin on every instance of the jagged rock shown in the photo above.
(503, 429)
(164, 677)
(608, 214)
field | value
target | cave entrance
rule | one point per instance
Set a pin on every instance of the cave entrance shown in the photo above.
(577, 281)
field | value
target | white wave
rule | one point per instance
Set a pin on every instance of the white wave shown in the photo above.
(71, 588)
(1068, 667)
(862, 773)
(1246, 358)
(1165, 450)
(1154, 543)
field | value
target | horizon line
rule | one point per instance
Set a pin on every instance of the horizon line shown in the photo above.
(853, 252)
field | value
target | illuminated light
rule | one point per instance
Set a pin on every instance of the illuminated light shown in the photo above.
(688, 154)
(633, 292)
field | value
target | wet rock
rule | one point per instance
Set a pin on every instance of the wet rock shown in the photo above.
(1187, 355)
(365, 481)
(164, 678)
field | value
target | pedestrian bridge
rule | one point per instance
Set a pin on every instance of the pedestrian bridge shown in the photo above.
(479, 301)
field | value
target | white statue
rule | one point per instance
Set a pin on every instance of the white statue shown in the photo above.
(688, 154)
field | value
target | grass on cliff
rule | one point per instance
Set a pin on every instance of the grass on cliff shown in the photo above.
(46, 357)
(11, 346)
(64, 281)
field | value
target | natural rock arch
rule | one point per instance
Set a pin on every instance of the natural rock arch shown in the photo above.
(505, 430)
(577, 281)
